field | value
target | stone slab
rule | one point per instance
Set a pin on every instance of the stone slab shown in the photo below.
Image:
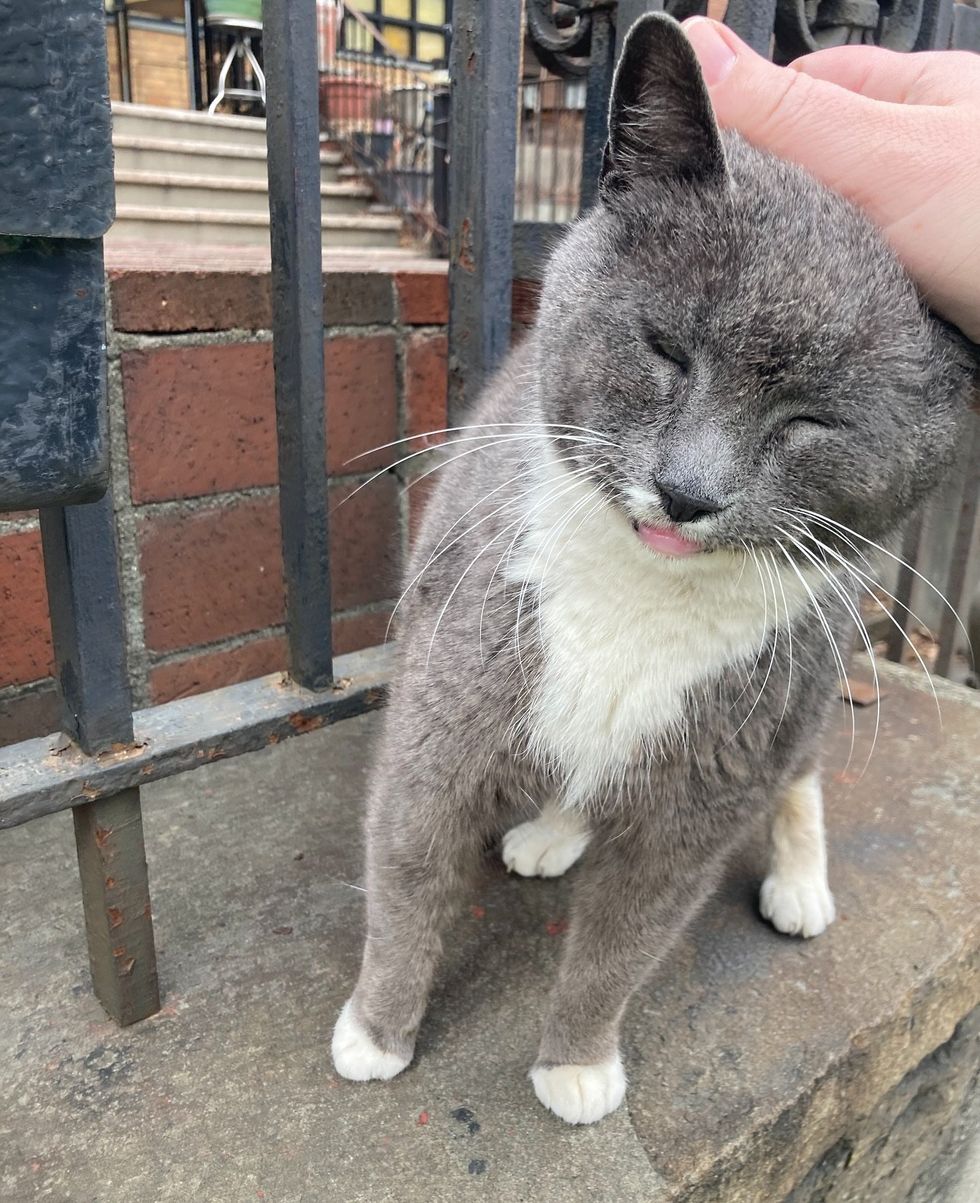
(762, 1068)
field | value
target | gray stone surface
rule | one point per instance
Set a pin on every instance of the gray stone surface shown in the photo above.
(762, 1068)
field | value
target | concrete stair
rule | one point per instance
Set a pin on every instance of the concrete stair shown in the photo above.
(191, 178)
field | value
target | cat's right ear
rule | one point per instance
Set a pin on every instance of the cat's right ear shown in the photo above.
(661, 123)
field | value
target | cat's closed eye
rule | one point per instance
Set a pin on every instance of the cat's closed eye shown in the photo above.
(808, 424)
(665, 348)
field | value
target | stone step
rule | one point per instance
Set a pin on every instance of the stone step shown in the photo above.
(235, 228)
(158, 189)
(225, 159)
(146, 121)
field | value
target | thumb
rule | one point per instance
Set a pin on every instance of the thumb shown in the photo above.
(913, 167)
(847, 140)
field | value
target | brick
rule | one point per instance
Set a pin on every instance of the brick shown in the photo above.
(267, 654)
(352, 632)
(29, 715)
(19, 516)
(365, 542)
(25, 633)
(358, 299)
(211, 574)
(423, 296)
(201, 420)
(425, 385)
(170, 302)
(362, 401)
(213, 669)
(215, 573)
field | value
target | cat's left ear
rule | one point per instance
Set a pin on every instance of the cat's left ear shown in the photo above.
(661, 123)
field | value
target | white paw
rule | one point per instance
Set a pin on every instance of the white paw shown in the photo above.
(798, 906)
(581, 1094)
(356, 1056)
(541, 849)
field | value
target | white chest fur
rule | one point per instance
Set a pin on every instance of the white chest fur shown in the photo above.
(627, 633)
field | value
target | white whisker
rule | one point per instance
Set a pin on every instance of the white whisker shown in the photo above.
(855, 614)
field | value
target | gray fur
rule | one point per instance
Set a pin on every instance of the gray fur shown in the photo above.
(788, 308)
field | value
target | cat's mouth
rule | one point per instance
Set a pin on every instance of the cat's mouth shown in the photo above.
(666, 540)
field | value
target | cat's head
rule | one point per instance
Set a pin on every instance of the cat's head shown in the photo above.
(742, 337)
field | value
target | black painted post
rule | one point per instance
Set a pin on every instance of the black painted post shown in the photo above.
(441, 119)
(601, 63)
(192, 49)
(80, 562)
(292, 130)
(628, 12)
(485, 67)
(753, 21)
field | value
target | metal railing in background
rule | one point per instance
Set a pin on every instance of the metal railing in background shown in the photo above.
(382, 109)
(54, 454)
(549, 149)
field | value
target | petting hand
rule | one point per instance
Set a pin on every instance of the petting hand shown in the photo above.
(897, 134)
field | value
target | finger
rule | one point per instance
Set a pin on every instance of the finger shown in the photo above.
(869, 150)
(937, 77)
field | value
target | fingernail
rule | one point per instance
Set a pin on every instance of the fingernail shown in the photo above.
(714, 53)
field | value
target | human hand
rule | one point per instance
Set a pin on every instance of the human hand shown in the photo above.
(897, 134)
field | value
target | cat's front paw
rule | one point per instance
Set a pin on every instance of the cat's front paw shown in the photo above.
(580, 1094)
(542, 849)
(797, 906)
(356, 1056)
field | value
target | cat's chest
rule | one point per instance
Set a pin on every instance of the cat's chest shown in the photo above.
(625, 641)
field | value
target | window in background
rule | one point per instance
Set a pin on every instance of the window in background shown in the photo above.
(414, 29)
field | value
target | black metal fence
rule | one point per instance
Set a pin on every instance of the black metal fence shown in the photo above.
(383, 110)
(57, 204)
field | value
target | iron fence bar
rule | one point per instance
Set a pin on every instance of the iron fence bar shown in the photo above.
(957, 584)
(911, 542)
(601, 64)
(965, 32)
(292, 132)
(441, 120)
(753, 21)
(628, 12)
(485, 64)
(80, 561)
(192, 49)
(41, 776)
(87, 623)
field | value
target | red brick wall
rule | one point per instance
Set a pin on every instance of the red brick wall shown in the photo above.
(192, 403)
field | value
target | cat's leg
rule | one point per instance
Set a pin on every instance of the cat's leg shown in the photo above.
(548, 844)
(421, 856)
(795, 896)
(635, 891)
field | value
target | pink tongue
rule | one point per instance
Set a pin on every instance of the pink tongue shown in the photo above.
(667, 541)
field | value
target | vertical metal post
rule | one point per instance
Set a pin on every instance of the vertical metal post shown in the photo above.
(441, 122)
(485, 66)
(628, 12)
(903, 589)
(122, 46)
(957, 585)
(80, 563)
(192, 48)
(601, 64)
(292, 130)
(753, 21)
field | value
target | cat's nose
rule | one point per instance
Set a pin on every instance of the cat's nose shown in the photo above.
(683, 507)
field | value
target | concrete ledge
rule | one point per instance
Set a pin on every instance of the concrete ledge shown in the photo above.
(763, 1069)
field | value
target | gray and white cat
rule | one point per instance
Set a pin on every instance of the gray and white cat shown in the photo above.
(635, 584)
